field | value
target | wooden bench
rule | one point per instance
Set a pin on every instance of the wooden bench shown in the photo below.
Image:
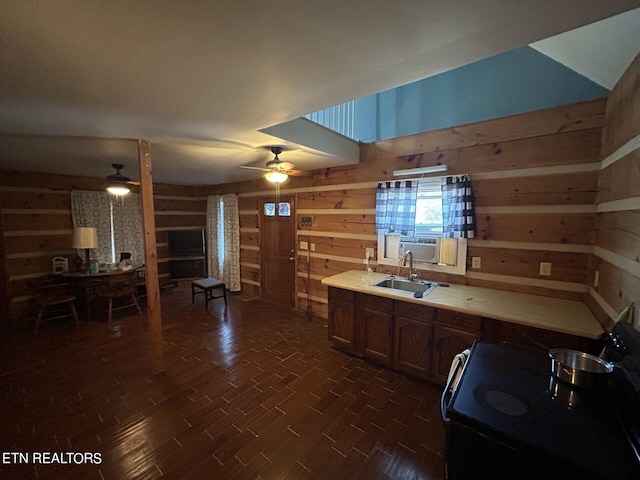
(207, 286)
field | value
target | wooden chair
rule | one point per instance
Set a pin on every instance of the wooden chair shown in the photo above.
(119, 287)
(51, 293)
(141, 286)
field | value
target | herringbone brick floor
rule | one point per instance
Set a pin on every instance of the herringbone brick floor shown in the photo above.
(253, 391)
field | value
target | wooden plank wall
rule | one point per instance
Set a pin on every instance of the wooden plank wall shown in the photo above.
(535, 178)
(36, 226)
(616, 256)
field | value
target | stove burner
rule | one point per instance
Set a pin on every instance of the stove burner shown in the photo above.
(505, 403)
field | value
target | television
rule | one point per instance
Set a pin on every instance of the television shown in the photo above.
(184, 243)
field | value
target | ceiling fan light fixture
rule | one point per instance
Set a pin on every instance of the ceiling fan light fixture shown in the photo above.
(275, 176)
(118, 183)
(118, 189)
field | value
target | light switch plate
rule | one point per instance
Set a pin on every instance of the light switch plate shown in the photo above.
(476, 262)
(304, 245)
(545, 269)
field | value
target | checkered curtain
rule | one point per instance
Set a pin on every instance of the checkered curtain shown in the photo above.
(396, 207)
(458, 207)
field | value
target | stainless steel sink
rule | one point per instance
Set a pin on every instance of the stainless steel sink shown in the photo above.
(420, 287)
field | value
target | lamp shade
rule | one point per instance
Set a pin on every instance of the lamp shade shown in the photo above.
(84, 237)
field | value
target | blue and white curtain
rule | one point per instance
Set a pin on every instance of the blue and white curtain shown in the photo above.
(458, 207)
(396, 207)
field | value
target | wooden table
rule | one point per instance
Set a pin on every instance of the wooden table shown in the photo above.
(83, 283)
(207, 286)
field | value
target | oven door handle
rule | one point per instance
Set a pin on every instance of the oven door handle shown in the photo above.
(450, 387)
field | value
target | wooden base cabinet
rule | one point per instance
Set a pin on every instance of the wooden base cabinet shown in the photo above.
(374, 324)
(413, 334)
(412, 346)
(388, 332)
(453, 333)
(401, 335)
(448, 342)
(421, 340)
(536, 341)
(342, 318)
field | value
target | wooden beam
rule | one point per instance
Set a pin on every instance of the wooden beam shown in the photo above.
(154, 313)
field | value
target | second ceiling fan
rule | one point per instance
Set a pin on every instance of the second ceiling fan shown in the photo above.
(277, 170)
(118, 183)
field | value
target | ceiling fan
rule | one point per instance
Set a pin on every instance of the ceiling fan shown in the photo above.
(118, 183)
(277, 170)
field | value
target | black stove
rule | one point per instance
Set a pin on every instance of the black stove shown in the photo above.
(510, 418)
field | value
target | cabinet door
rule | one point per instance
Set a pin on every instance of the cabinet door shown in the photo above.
(341, 326)
(412, 346)
(375, 323)
(448, 342)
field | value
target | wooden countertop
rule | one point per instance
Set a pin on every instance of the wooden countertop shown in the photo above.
(557, 314)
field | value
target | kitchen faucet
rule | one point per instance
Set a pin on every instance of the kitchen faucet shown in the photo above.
(412, 275)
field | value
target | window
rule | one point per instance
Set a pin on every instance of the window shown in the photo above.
(118, 223)
(284, 209)
(411, 217)
(270, 209)
(429, 209)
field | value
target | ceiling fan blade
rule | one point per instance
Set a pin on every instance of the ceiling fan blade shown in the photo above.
(278, 165)
(256, 168)
(297, 173)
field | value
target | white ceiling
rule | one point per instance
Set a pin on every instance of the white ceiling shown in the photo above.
(80, 81)
(601, 51)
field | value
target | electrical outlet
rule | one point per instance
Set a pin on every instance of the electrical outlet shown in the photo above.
(545, 269)
(313, 247)
(304, 245)
(476, 262)
(369, 252)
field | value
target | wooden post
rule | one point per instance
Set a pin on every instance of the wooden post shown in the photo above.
(154, 313)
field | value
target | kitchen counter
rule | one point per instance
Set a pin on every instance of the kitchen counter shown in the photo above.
(556, 314)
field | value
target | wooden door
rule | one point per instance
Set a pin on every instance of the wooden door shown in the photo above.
(278, 241)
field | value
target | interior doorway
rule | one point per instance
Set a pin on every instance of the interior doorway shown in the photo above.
(277, 248)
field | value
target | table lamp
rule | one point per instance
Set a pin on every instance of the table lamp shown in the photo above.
(87, 238)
